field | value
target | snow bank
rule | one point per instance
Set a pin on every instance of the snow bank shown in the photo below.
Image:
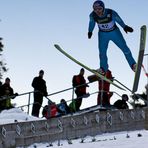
(13, 115)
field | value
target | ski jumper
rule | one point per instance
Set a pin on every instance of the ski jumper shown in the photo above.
(108, 30)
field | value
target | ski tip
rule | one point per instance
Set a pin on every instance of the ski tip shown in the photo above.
(143, 27)
(56, 45)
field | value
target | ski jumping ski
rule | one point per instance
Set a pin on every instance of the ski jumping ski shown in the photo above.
(86, 67)
(140, 58)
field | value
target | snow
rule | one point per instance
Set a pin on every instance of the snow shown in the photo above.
(13, 115)
(130, 139)
(114, 140)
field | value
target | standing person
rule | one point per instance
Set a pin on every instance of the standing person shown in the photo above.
(40, 90)
(6, 91)
(108, 30)
(104, 94)
(80, 90)
(122, 104)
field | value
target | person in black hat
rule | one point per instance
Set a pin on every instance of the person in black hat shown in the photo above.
(122, 104)
(40, 90)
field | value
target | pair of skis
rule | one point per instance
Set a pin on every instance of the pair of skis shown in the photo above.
(86, 67)
(138, 69)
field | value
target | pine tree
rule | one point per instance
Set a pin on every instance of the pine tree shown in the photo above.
(2, 63)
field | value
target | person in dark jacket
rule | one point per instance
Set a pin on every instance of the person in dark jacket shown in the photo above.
(79, 82)
(122, 104)
(6, 91)
(40, 90)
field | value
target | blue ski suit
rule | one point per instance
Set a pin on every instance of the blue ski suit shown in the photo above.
(108, 30)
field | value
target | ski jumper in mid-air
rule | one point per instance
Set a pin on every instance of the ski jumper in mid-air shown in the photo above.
(108, 30)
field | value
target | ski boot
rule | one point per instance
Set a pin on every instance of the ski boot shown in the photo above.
(100, 71)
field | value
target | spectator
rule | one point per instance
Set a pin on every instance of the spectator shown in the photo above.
(50, 110)
(122, 104)
(104, 94)
(6, 93)
(63, 107)
(79, 82)
(40, 90)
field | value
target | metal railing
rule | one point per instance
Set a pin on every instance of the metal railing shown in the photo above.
(54, 93)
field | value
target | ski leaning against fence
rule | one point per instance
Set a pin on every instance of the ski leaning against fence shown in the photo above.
(140, 58)
(86, 67)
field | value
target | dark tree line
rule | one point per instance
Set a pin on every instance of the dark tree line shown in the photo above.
(3, 67)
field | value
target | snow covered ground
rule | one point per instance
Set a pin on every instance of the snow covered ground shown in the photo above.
(11, 115)
(133, 139)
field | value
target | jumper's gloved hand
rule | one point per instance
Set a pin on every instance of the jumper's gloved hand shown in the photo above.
(128, 29)
(89, 34)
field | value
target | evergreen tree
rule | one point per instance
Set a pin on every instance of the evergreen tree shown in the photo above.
(2, 63)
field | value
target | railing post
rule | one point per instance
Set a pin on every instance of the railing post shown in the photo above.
(28, 103)
(73, 103)
(146, 118)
